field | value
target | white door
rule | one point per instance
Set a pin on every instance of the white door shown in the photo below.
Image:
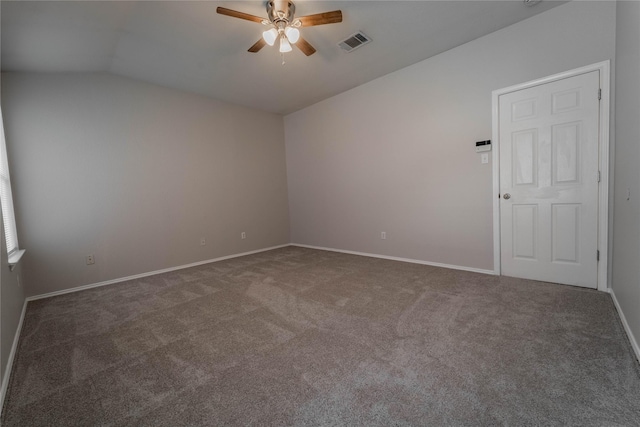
(549, 181)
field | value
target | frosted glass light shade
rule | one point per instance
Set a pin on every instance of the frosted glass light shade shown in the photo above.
(285, 46)
(292, 34)
(270, 36)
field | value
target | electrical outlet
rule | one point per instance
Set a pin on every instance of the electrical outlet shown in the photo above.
(243, 235)
(202, 241)
(91, 260)
(383, 235)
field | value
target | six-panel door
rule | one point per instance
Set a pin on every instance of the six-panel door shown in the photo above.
(549, 181)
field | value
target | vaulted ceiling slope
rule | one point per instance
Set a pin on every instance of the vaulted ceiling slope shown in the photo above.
(186, 45)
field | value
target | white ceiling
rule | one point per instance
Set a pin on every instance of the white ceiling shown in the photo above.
(187, 45)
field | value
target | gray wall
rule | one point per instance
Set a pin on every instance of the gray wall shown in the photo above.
(136, 174)
(11, 303)
(626, 240)
(11, 300)
(397, 154)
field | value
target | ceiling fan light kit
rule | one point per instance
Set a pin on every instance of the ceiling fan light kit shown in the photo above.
(270, 36)
(284, 26)
(285, 46)
(293, 34)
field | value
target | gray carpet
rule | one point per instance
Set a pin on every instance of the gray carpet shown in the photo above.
(304, 337)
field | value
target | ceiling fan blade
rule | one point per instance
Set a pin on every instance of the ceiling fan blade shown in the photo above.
(305, 47)
(321, 18)
(257, 45)
(236, 14)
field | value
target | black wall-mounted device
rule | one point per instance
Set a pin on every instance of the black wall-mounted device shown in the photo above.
(483, 146)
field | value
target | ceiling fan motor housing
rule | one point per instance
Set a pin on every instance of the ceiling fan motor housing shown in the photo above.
(279, 11)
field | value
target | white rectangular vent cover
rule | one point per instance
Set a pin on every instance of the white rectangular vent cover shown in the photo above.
(354, 41)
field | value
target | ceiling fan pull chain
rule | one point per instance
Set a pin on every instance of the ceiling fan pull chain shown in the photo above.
(282, 55)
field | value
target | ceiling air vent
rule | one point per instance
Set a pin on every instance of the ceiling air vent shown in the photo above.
(354, 41)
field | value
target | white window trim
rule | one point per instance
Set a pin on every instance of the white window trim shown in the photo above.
(6, 198)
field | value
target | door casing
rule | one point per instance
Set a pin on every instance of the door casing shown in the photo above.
(603, 163)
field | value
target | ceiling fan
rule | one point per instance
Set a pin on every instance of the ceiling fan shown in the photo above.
(283, 25)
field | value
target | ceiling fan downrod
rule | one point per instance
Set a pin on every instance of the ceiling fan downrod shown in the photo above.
(280, 11)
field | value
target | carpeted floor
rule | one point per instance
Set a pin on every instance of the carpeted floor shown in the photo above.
(304, 337)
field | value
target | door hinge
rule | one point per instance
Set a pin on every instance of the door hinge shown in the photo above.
(597, 255)
(598, 176)
(599, 94)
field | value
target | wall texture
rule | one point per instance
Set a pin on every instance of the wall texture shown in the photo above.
(11, 300)
(626, 236)
(397, 154)
(11, 303)
(136, 174)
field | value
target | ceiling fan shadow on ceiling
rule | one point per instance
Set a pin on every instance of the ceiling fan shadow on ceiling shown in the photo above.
(283, 25)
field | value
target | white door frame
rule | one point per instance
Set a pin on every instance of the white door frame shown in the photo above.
(603, 162)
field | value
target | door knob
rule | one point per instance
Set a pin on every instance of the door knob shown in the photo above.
(506, 196)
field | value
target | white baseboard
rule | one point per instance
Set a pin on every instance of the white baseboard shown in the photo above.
(627, 329)
(150, 273)
(195, 264)
(393, 258)
(12, 354)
